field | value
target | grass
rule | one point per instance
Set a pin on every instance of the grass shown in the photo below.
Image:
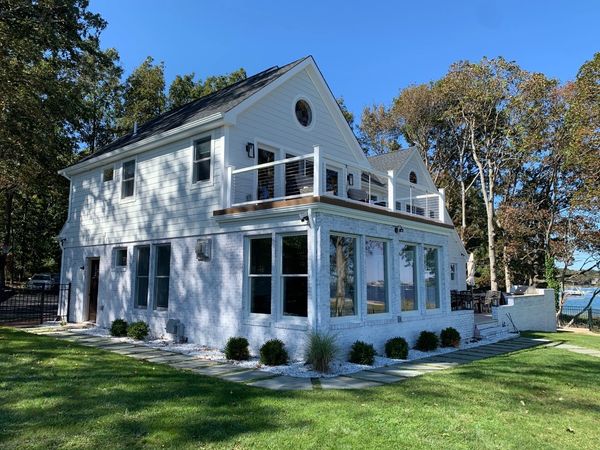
(583, 338)
(56, 394)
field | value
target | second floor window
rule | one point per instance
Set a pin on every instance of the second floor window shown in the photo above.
(202, 160)
(128, 182)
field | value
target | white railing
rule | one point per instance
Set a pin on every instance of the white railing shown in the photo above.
(312, 175)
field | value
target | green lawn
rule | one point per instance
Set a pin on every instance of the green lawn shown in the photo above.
(55, 394)
(581, 339)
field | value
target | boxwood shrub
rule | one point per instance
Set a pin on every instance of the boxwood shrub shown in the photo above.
(118, 328)
(138, 330)
(362, 353)
(427, 342)
(237, 349)
(450, 337)
(273, 353)
(396, 348)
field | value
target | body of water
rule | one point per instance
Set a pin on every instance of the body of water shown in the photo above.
(581, 301)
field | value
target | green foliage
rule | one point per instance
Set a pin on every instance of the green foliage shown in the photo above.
(396, 348)
(237, 349)
(143, 97)
(427, 341)
(138, 330)
(273, 353)
(362, 353)
(321, 351)
(450, 337)
(118, 328)
(184, 89)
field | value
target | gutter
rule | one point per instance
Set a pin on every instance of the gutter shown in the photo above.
(152, 141)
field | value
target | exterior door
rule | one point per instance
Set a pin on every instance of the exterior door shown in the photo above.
(93, 289)
(266, 176)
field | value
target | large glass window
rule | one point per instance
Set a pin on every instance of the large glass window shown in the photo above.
(376, 262)
(432, 278)
(408, 278)
(259, 275)
(342, 279)
(142, 271)
(161, 275)
(266, 175)
(294, 275)
(202, 160)
(128, 181)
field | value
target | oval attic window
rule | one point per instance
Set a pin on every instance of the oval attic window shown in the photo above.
(303, 113)
(412, 177)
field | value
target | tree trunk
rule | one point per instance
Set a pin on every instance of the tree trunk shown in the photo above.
(507, 274)
(8, 210)
(463, 210)
(491, 232)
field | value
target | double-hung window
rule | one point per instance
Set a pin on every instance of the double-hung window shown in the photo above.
(128, 179)
(294, 275)
(202, 159)
(162, 269)
(259, 275)
(432, 278)
(342, 276)
(142, 273)
(408, 278)
(376, 276)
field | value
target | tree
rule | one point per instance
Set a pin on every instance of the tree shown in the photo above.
(143, 97)
(346, 112)
(102, 93)
(41, 59)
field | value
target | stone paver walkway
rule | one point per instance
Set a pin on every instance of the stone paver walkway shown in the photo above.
(576, 349)
(359, 380)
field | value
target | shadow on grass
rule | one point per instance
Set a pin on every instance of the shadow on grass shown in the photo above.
(48, 383)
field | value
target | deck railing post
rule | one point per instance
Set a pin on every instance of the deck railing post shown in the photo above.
(229, 187)
(391, 191)
(442, 204)
(317, 171)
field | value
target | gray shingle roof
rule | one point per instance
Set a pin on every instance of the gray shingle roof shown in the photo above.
(392, 160)
(218, 102)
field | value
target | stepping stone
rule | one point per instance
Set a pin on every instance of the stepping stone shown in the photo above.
(398, 372)
(421, 366)
(247, 375)
(284, 383)
(192, 363)
(442, 364)
(379, 377)
(216, 370)
(458, 357)
(134, 349)
(145, 355)
(344, 382)
(166, 359)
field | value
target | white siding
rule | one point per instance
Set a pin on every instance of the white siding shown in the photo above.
(165, 204)
(272, 121)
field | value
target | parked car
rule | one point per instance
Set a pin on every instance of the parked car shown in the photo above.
(46, 281)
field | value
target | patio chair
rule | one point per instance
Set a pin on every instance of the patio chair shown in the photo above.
(492, 298)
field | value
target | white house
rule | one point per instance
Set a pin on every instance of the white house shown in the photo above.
(254, 212)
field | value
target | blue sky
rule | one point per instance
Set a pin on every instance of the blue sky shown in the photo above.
(367, 51)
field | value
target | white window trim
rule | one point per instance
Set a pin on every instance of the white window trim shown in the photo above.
(115, 266)
(311, 126)
(263, 319)
(358, 263)
(279, 271)
(152, 276)
(438, 278)
(211, 180)
(416, 280)
(133, 197)
(341, 170)
(114, 178)
(387, 271)
(134, 266)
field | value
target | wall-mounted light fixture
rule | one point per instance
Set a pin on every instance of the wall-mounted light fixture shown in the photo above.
(250, 149)
(398, 229)
(350, 178)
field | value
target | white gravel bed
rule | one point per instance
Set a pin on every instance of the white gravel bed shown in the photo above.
(294, 368)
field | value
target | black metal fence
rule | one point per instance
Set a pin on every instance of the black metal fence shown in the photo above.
(22, 306)
(589, 319)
